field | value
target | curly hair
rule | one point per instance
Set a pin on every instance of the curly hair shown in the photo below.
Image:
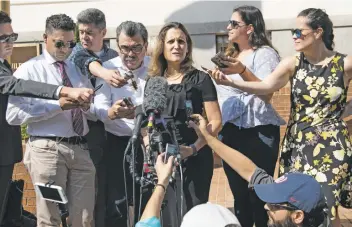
(59, 22)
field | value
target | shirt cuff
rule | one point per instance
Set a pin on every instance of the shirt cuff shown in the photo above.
(86, 66)
(53, 106)
(57, 92)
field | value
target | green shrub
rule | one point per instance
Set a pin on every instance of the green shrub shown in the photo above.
(24, 132)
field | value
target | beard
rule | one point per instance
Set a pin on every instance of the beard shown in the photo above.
(284, 223)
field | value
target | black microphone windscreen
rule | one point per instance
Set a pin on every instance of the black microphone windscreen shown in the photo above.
(139, 110)
(155, 95)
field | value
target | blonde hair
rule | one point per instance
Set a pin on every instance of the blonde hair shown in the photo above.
(158, 63)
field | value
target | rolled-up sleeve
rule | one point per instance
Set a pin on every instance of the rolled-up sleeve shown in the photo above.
(82, 58)
(260, 176)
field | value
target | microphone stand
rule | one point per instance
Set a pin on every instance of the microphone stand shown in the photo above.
(62, 207)
(63, 214)
(172, 127)
(124, 180)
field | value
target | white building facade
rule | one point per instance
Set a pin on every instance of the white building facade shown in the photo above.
(206, 21)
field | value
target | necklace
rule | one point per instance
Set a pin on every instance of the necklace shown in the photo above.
(173, 78)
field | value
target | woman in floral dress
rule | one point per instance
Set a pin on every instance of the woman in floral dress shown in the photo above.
(317, 141)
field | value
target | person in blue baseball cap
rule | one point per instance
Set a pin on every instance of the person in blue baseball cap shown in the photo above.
(293, 200)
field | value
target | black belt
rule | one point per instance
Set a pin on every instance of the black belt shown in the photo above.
(71, 140)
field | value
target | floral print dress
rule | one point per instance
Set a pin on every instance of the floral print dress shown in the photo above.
(317, 141)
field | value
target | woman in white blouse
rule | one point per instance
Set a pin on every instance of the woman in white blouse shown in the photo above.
(251, 125)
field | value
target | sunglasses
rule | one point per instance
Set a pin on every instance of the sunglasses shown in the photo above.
(137, 49)
(8, 38)
(60, 44)
(298, 32)
(235, 23)
(276, 206)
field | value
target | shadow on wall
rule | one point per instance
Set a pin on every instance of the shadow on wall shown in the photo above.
(207, 17)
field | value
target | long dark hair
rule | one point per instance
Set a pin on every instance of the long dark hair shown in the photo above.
(317, 18)
(158, 63)
(258, 38)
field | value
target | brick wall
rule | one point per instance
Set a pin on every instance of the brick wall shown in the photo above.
(280, 100)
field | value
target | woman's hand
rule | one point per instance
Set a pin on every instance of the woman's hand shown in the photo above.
(219, 77)
(164, 170)
(200, 126)
(234, 66)
(185, 151)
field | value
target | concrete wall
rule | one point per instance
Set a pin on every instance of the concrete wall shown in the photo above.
(203, 19)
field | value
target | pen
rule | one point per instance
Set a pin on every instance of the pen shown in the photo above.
(97, 88)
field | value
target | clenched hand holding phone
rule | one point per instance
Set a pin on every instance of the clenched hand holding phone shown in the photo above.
(218, 60)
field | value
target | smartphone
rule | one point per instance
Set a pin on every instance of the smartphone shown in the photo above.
(218, 58)
(97, 87)
(128, 102)
(128, 75)
(171, 150)
(189, 108)
(52, 193)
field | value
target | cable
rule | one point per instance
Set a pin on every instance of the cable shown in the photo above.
(133, 181)
(125, 183)
(141, 187)
(181, 176)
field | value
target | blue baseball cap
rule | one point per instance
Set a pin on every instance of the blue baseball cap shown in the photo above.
(297, 189)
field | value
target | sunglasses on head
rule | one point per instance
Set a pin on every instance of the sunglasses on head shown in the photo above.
(235, 23)
(137, 49)
(61, 44)
(8, 38)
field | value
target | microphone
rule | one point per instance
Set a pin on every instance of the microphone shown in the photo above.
(139, 116)
(155, 101)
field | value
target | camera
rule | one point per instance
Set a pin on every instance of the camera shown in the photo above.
(52, 193)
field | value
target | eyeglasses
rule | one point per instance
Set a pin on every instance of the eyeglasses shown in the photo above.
(137, 49)
(61, 44)
(8, 38)
(276, 206)
(298, 32)
(236, 23)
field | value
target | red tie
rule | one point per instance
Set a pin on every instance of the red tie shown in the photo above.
(77, 116)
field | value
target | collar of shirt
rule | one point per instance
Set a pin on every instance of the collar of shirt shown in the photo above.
(139, 72)
(2, 60)
(50, 59)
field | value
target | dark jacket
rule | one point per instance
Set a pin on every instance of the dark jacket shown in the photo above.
(10, 136)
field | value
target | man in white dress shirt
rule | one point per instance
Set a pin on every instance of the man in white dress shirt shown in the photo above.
(132, 40)
(56, 150)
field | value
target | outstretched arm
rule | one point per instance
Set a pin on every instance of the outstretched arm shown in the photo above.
(11, 85)
(240, 163)
(268, 85)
